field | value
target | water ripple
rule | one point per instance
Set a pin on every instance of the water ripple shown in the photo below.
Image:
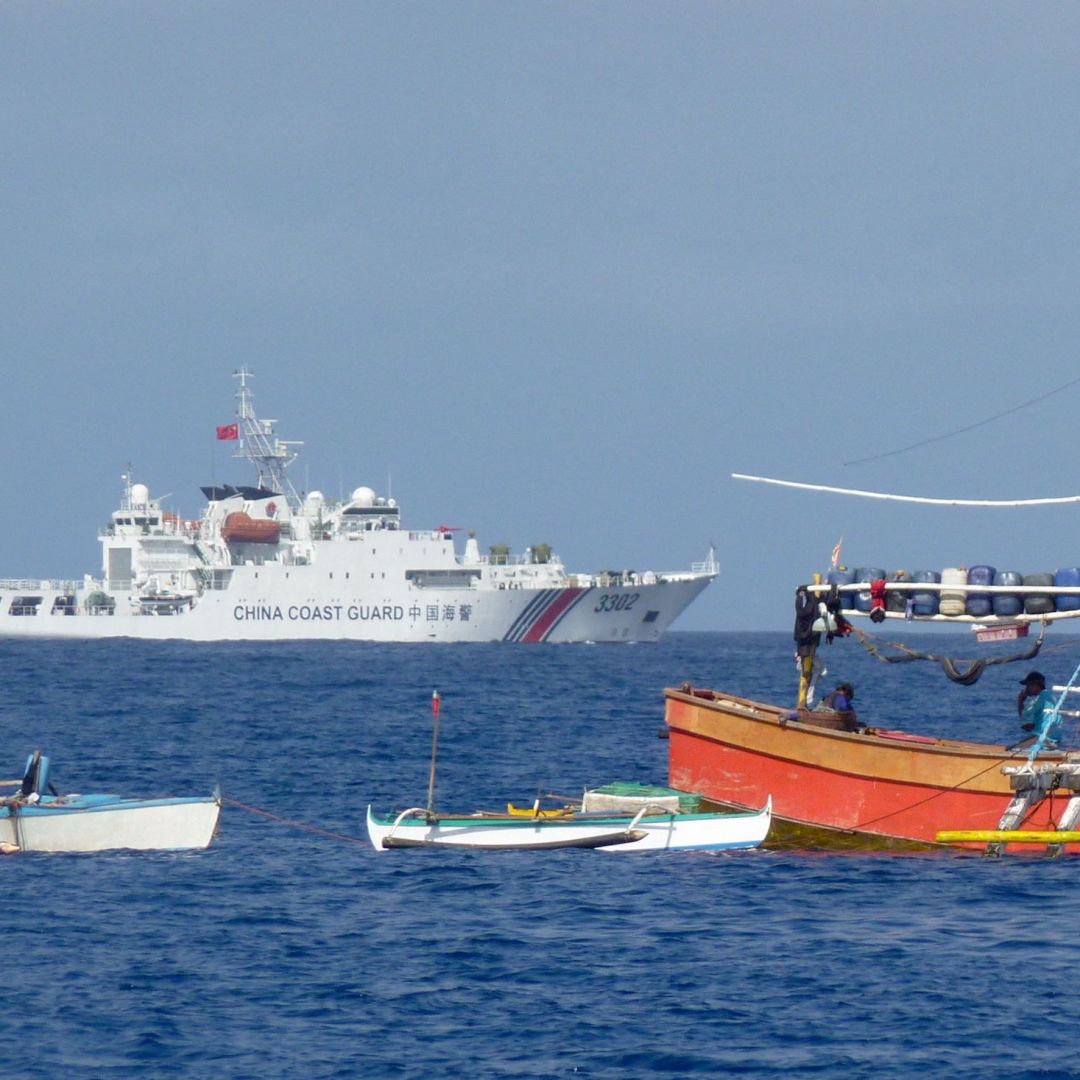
(283, 953)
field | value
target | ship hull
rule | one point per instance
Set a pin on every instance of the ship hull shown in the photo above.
(836, 787)
(274, 603)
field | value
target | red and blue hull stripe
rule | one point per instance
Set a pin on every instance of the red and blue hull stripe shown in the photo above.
(543, 613)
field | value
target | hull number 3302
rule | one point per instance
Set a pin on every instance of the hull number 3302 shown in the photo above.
(617, 601)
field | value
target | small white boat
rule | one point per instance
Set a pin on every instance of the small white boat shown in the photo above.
(650, 829)
(36, 818)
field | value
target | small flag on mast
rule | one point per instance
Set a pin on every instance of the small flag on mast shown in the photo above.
(836, 554)
(228, 432)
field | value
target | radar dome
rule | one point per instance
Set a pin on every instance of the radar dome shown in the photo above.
(314, 498)
(140, 494)
(363, 496)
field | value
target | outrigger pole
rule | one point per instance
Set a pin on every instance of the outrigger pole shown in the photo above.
(997, 503)
(434, 750)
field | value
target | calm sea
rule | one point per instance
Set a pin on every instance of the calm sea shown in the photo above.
(283, 952)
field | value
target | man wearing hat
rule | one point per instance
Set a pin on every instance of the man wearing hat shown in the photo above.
(841, 701)
(1035, 704)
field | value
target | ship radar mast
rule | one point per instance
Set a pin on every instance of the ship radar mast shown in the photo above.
(270, 455)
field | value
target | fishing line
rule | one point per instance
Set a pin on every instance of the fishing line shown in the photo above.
(966, 428)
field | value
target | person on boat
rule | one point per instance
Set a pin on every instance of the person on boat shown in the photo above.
(807, 640)
(841, 701)
(814, 617)
(1035, 705)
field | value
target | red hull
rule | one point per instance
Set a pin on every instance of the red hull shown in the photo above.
(877, 786)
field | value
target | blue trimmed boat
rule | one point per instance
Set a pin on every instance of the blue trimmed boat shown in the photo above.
(37, 818)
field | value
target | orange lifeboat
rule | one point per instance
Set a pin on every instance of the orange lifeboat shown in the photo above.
(239, 528)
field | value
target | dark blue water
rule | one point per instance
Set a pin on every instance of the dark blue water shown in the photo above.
(286, 953)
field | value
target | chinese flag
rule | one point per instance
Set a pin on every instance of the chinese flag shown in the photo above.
(228, 431)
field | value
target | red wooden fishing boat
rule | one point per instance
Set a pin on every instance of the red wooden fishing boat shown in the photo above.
(869, 788)
(872, 787)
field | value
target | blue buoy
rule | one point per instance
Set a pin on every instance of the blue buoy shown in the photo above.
(925, 603)
(1068, 577)
(843, 576)
(980, 604)
(1008, 603)
(866, 573)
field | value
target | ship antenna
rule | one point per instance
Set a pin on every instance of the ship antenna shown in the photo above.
(270, 455)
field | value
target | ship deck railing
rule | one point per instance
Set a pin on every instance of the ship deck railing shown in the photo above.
(522, 559)
(49, 585)
(958, 587)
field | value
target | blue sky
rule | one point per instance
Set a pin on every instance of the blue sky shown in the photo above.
(558, 269)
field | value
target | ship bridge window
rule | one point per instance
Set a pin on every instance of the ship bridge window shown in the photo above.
(442, 579)
(25, 605)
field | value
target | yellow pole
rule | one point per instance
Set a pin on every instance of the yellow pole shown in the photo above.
(1008, 836)
(806, 669)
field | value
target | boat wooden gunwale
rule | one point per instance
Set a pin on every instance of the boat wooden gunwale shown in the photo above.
(838, 788)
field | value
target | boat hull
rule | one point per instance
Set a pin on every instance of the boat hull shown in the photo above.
(659, 832)
(876, 789)
(273, 603)
(104, 823)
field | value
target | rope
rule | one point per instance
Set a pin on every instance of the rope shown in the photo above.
(302, 826)
(966, 676)
(968, 427)
(955, 787)
(935, 795)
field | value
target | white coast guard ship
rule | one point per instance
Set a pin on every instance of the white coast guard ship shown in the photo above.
(264, 564)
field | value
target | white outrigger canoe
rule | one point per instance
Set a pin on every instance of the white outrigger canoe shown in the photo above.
(38, 819)
(650, 829)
